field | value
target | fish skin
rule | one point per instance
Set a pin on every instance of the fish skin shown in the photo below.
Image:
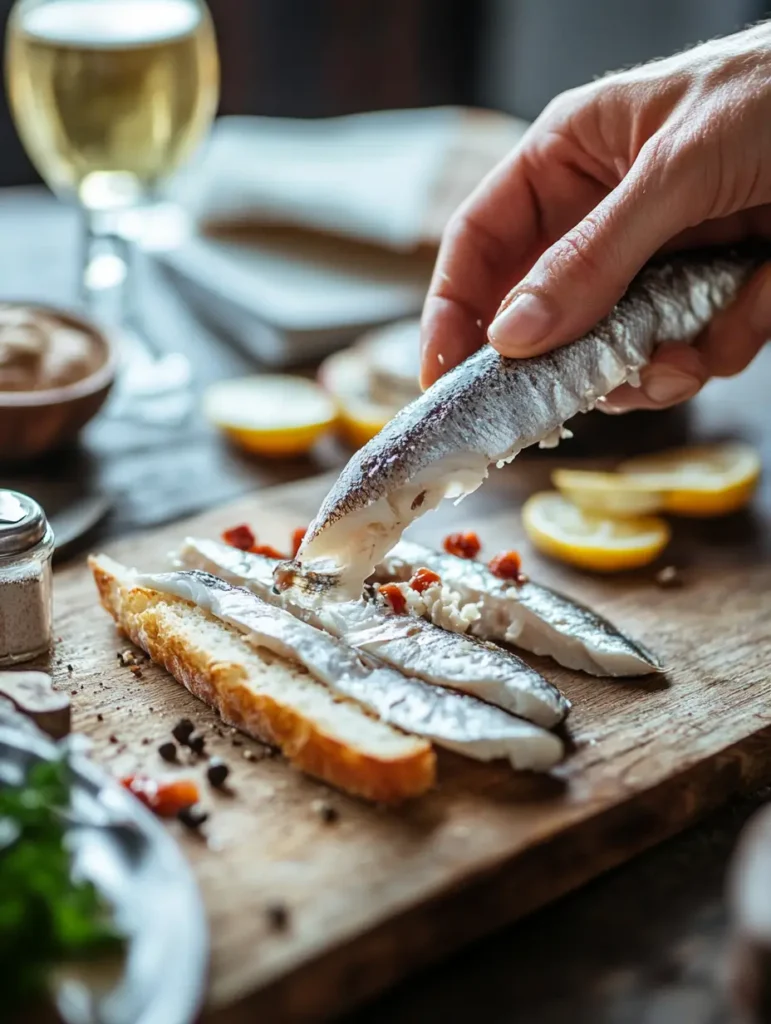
(527, 614)
(406, 643)
(452, 720)
(489, 407)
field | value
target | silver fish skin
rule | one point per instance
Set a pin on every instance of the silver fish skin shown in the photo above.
(527, 614)
(405, 642)
(456, 721)
(489, 408)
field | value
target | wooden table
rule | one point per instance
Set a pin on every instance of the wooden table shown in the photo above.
(641, 944)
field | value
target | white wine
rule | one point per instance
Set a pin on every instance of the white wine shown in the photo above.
(110, 96)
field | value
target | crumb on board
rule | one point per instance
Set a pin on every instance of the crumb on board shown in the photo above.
(669, 576)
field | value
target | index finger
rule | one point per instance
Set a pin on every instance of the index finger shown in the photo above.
(482, 248)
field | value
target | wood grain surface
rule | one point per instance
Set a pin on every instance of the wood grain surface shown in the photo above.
(378, 893)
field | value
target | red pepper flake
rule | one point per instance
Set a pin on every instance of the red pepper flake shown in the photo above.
(506, 566)
(392, 593)
(462, 545)
(423, 579)
(267, 550)
(241, 537)
(166, 799)
(298, 536)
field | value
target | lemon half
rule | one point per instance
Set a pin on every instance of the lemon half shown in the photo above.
(272, 414)
(560, 529)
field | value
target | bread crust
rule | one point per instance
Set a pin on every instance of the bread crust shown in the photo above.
(224, 686)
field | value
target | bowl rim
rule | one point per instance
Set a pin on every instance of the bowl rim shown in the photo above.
(102, 377)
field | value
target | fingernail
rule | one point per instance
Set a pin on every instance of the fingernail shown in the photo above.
(666, 386)
(610, 407)
(523, 323)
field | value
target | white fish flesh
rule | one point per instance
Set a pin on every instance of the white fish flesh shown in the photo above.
(526, 614)
(405, 642)
(453, 720)
(489, 408)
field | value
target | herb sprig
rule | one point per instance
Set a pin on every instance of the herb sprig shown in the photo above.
(46, 917)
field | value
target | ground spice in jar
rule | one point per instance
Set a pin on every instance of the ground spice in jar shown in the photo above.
(26, 548)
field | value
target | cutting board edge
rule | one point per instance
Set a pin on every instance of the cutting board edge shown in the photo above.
(490, 899)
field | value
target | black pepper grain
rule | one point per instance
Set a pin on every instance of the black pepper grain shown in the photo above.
(113, 738)
(183, 730)
(278, 916)
(168, 751)
(193, 817)
(197, 744)
(100, 717)
(328, 814)
(70, 668)
(217, 772)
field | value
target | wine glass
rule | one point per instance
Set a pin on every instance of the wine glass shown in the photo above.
(110, 97)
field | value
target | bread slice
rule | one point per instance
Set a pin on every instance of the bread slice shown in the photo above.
(269, 697)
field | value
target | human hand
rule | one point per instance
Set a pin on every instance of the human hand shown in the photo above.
(672, 154)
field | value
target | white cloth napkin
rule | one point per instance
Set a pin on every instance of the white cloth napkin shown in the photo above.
(390, 178)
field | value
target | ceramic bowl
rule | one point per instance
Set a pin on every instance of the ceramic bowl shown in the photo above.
(33, 423)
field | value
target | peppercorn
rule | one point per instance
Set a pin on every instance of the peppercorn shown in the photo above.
(217, 772)
(325, 811)
(168, 751)
(183, 730)
(197, 744)
(192, 817)
(278, 916)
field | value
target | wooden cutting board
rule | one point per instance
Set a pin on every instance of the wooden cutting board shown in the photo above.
(379, 892)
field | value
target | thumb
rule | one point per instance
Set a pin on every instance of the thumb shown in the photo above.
(579, 279)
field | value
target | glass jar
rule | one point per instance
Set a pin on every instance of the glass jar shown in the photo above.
(26, 606)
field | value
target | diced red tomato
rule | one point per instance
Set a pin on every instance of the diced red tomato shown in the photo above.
(241, 537)
(298, 536)
(506, 566)
(423, 579)
(166, 799)
(463, 545)
(267, 550)
(392, 593)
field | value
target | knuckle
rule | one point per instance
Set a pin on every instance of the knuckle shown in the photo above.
(566, 105)
(577, 252)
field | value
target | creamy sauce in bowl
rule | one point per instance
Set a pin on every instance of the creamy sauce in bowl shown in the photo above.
(41, 350)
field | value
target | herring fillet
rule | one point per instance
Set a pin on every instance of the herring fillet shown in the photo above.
(453, 720)
(527, 615)
(407, 643)
(489, 408)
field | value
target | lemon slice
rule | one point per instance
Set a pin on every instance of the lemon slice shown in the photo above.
(559, 528)
(345, 375)
(712, 480)
(273, 414)
(613, 494)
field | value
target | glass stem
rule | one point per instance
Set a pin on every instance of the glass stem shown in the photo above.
(105, 269)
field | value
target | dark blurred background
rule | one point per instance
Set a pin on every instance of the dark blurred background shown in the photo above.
(314, 58)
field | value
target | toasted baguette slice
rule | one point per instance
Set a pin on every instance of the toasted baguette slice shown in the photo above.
(271, 698)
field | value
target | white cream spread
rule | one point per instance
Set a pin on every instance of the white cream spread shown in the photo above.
(442, 606)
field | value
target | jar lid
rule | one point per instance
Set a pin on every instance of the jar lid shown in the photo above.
(22, 522)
